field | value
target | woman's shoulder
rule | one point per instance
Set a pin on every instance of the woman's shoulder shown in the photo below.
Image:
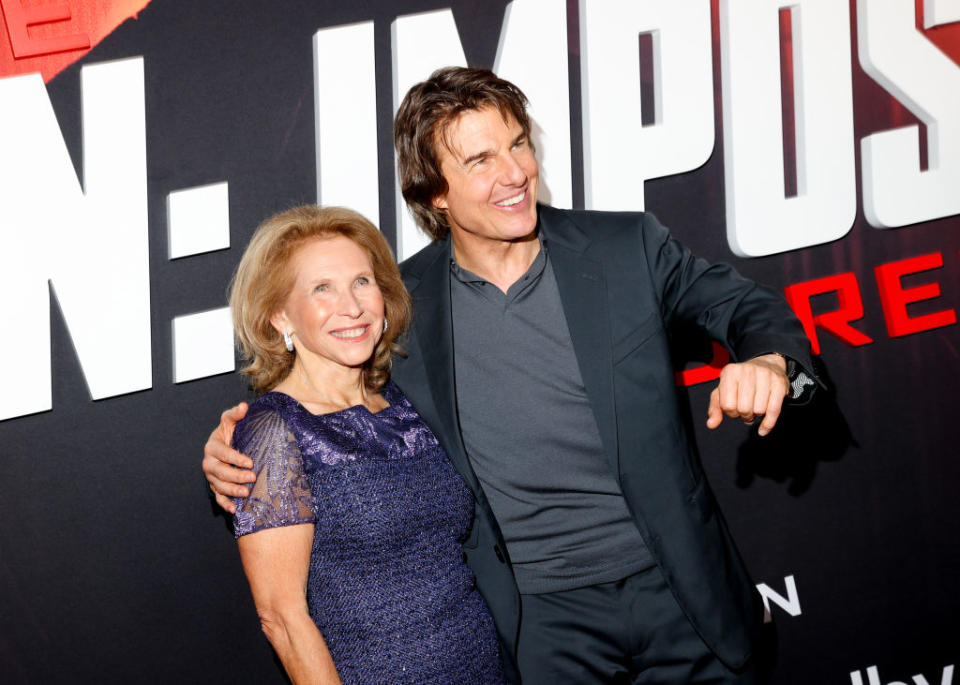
(269, 414)
(272, 401)
(394, 396)
(270, 404)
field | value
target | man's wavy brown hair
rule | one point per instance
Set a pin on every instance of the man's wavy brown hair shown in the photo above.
(422, 120)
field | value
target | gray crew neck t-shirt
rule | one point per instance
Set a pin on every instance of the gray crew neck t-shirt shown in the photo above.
(532, 437)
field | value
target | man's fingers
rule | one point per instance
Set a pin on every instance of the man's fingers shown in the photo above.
(227, 488)
(746, 390)
(217, 451)
(234, 414)
(229, 420)
(714, 414)
(750, 391)
(221, 469)
(729, 390)
(761, 394)
(774, 405)
(225, 503)
(225, 468)
(736, 392)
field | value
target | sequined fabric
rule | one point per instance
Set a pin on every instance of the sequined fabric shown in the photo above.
(388, 586)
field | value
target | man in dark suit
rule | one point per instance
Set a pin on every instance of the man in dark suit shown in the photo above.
(539, 356)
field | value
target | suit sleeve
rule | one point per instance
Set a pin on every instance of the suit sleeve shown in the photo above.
(747, 318)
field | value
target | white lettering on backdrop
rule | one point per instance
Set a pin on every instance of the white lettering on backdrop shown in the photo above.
(89, 243)
(896, 192)
(761, 220)
(619, 154)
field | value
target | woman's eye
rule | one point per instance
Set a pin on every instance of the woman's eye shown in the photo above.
(363, 280)
(322, 288)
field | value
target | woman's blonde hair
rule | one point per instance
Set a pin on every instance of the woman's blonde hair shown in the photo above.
(264, 279)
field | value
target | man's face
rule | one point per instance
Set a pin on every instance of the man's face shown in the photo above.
(491, 175)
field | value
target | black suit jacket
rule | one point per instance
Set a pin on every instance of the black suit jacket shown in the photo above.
(623, 283)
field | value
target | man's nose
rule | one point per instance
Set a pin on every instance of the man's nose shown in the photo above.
(511, 171)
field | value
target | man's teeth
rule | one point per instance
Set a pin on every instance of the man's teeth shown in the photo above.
(513, 200)
(352, 333)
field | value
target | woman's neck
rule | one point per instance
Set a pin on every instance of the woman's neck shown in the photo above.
(325, 389)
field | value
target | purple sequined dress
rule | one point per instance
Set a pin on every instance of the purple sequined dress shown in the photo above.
(388, 586)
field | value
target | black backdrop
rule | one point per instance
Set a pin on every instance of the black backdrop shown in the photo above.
(113, 566)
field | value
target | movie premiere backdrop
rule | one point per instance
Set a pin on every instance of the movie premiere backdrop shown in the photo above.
(815, 144)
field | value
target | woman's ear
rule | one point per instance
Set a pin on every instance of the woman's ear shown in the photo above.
(280, 323)
(440, 202)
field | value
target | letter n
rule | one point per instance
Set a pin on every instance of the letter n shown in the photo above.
(89, 243)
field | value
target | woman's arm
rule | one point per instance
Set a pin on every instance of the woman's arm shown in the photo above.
(276, 561)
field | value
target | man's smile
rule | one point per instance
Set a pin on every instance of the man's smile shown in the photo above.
(509, 202)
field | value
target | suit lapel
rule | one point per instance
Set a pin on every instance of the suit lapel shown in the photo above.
(432, 332)
(583, 293)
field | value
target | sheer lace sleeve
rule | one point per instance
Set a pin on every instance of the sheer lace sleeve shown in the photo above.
(281, 495)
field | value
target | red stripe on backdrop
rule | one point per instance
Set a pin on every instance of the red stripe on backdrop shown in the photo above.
(47, 38)
(945, 37)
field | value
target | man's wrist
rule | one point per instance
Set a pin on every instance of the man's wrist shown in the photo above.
(786, 362)
(801, 384)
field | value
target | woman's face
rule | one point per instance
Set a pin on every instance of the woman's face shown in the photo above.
(335, 309)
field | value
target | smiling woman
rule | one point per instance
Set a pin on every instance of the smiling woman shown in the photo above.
(350, 534)
(333, 315)
(283, 251)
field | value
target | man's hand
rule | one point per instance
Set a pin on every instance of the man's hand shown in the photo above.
(749, 390)
(225, 468)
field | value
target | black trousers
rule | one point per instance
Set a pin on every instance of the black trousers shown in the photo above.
(629, 631)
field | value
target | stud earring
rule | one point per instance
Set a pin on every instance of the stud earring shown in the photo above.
(288, 341)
